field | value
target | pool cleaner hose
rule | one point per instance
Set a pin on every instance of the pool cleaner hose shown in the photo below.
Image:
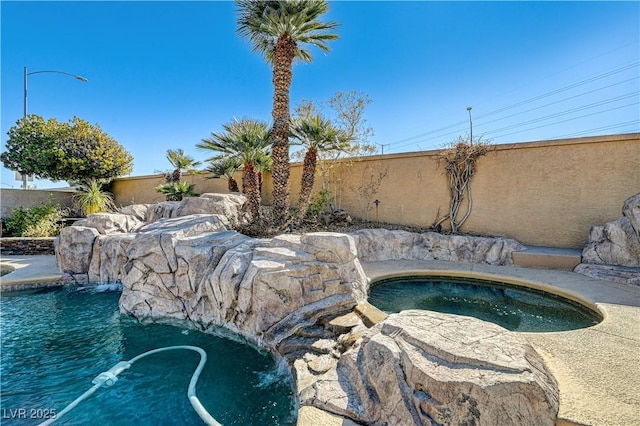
(109, 377)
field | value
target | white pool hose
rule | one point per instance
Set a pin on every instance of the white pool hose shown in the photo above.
(109, 377)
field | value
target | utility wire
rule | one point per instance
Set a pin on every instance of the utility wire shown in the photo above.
(395, 145)
(569, 119)
(597, 129)
(569, 111)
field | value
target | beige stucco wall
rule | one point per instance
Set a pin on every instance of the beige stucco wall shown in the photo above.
(11, 199)
(547, 193)
(141, 189)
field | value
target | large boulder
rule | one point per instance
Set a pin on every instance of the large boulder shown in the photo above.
(427, 368)
(618, 242)
(631, 210)
(109, 258)
(112, 223)
(262, 289)
(74, 248)
(383, 244)
(614, 243)
(228, 206)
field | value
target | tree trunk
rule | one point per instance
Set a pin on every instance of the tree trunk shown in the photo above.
(306, 182)
(176, 176)
(232, 185)
(284, 52)
(250, 178)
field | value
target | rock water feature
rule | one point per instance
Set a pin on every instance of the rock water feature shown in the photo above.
(304, 298)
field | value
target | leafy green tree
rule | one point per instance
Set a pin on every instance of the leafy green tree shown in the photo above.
(316, 133)
(248, 141)
(181, 163)
(74, 151)
(277, 30)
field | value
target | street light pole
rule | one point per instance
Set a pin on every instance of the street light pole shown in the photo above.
(25, 99)
(470, 126)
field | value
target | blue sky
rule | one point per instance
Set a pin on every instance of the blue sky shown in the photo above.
(164, 75)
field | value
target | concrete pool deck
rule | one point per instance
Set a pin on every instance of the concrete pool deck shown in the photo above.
(597, 368)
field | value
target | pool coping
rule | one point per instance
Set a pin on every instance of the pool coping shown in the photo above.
(596, 367)
(29, 271)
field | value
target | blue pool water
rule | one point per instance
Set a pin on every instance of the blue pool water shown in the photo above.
(56, 341)
(514, 308)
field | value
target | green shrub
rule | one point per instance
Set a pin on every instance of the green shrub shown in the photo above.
(319, 202)
(37, 221)
(90, 198)
(175, 191)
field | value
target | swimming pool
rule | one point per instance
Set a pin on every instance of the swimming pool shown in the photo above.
(514, 308)
(56, 341)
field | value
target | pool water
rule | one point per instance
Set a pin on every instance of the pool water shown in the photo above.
(514, 308)
(56, 341)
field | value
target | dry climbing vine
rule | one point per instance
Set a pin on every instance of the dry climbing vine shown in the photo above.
(460, 166)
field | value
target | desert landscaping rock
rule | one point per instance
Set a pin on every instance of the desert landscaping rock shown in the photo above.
(420, 367)
(613, 250)
(631, 210)
(382, 244)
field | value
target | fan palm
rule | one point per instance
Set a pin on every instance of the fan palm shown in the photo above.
(176, 191)
(277, 30)
(226, 167)
(317, 134)
(181, 162)
(247, 141)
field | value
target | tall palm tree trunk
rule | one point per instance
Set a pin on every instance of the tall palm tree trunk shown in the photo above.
(306, 183)
(250, 178)
(284, 53)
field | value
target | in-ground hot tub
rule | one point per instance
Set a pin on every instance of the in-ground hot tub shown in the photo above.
(515, 308)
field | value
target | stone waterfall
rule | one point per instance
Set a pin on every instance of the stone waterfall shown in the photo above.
(303, 297)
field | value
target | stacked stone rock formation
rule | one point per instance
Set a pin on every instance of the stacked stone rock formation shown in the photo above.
(613, 250)
(304, 298)
(382, 244)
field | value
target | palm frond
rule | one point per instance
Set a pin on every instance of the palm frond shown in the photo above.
(264, 22)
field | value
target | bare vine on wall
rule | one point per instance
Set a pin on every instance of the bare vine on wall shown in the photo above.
(460, 166)
(367, 187)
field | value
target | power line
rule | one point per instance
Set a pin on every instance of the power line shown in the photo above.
(569, 119)
(569, 111)
(564, 99)
(458, 130)
(597, 129)
(563, 89)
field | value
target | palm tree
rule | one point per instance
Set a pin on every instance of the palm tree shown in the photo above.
(277, 29)
(181, 162)
(248, 141)
(264, 164)
(226, 167)
(316, 134)
(176, 191)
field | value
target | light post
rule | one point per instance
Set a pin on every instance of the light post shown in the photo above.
(470, 126)
(26, 78)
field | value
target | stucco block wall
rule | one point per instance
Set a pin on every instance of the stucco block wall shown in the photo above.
(141, 189)
(547, 193)
(11, 199)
